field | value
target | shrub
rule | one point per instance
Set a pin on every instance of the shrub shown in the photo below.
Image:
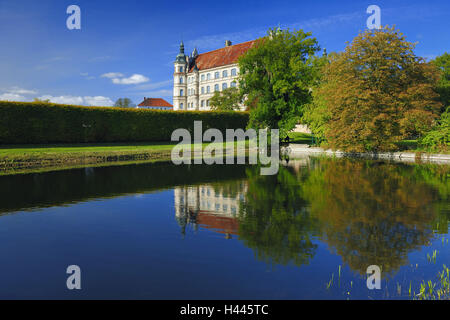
(40, 122)
(438, 139)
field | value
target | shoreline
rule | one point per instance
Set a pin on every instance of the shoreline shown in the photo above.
(293, 150)
(32, 162)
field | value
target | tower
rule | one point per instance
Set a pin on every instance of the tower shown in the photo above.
(195, 80)
(179, 81)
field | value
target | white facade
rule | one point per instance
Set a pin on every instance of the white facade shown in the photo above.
(192, 90)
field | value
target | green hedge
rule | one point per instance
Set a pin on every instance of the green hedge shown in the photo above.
(27, 122)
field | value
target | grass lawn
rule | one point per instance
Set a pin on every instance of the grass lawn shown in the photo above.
(301, 138)
(58, 156)
(19, 151)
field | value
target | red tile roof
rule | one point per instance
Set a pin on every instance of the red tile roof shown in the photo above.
(223, 56)
(154, 102)
(219, 224)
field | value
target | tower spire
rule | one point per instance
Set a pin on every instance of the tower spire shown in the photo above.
(181, 47)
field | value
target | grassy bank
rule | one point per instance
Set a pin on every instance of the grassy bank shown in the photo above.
(17, 158)
(36, 158)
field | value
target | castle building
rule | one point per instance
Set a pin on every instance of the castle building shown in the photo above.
(198, 76)
(209, 208)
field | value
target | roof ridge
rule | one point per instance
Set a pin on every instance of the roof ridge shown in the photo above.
(227, 47)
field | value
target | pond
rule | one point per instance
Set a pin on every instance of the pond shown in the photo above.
(160, 231)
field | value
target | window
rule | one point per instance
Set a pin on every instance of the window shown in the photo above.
(180, 69)
(216, 87)
(203, 77)
(208, 76)
(207, 103)
(233, 84)
(224, 86)
(203, 90)
(208, 89)
(181, 105)
(181, 79)
(202, 103)
(216, 75)
(224, 74)
(181, 92)
(233, 72)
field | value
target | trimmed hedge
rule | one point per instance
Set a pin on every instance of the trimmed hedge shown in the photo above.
(30, 122)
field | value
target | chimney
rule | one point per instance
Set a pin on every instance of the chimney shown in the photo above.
(227, 43)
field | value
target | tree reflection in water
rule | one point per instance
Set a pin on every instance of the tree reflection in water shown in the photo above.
(368, 212)
(275, 220)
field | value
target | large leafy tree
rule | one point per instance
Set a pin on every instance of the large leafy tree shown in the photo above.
(378, 92)
(226, 100)
(276, 77)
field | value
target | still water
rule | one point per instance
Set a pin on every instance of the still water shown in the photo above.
(159, 231)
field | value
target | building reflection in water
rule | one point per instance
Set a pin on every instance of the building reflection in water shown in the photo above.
(213, 207)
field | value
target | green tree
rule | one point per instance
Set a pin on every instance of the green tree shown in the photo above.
(276, 76)
(226, 100)
(438, 138)
(124, 103)
(316, 114)
(443, 63)
(377, 93)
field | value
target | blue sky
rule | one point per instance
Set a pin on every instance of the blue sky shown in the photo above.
(127, 48)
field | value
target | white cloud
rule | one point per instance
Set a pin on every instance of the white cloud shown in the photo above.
(19, 94)
(12, 97)
(63, 99)
(159, 93)
(119, 78)
(16, 94)
(77, 100)
(98, 101)
(218, 40)
(154, 85)
(111, 75)
(18, 90)
(134, 79)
